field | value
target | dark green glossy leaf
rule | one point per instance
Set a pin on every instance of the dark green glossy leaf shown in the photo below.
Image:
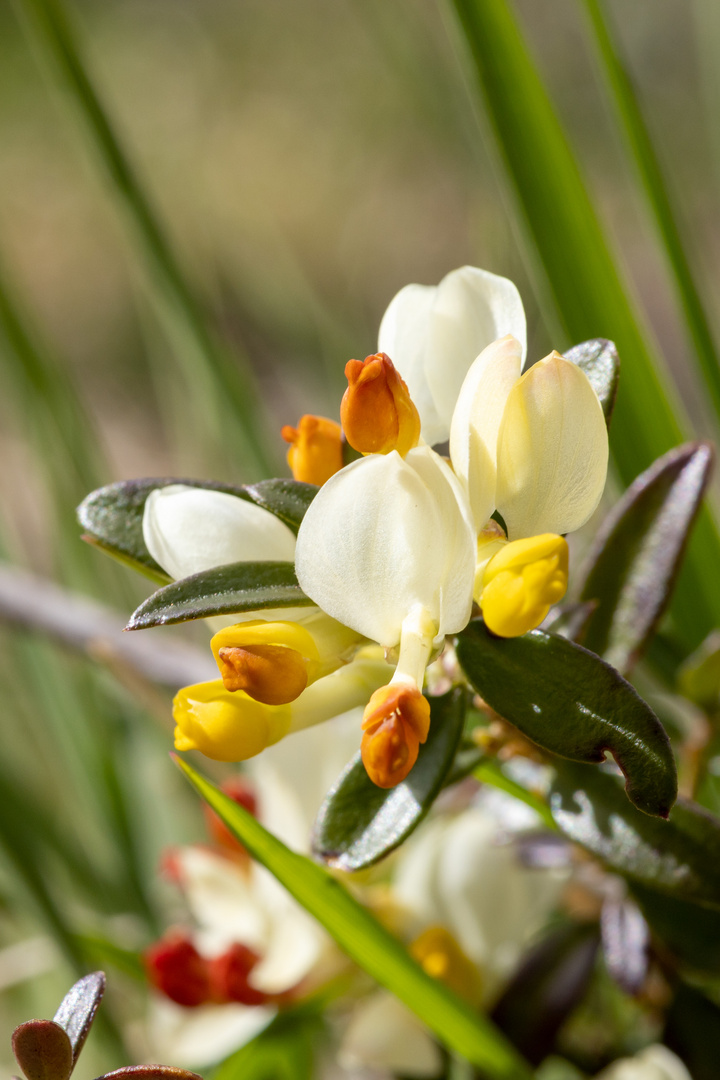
(546, 988)
(225, 590)
(43, 1050)
(688, 930)
(637, 552)
(571, 703)
(359, 823)
(112, 516)
(77, 1009)
(599, 360)
(368, 943)
(680, 857)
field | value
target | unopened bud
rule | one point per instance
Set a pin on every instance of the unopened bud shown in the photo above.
(316, 449)
(175, 968)
(229, 974)
(377, 412)
(272, 674)
(225, 726)
(395, 722)
(522, 582)
(439, 954)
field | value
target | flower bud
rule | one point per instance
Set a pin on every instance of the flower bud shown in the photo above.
(226, 726)
(522, 582)
(175, 968)
(377, 412)
(316, 451)
(439, 954)
(396, 720)
(272, 674)
(229, 974)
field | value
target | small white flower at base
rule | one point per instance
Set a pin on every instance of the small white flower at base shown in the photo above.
(188, 529)
(384, 1035)
(194, 1038)
(653, 1063)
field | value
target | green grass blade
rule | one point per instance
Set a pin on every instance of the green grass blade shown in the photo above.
(366, 942)
(658, 195)
(590, 296)
(224, 380)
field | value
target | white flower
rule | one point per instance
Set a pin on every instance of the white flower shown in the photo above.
(188, 529)
(654, 1063)
(432, 333)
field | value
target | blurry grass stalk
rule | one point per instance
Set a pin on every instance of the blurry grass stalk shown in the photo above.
(590, 295)
(221, 390)
(658, 196)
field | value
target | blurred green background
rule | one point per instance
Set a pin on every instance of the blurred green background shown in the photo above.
(306, 161)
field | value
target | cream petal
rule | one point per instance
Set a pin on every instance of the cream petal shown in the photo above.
(384, 1034)
(188, 529)
(476, 422)
(294, 944)
(654, 1063)
(472, 309)
(403, 335)
(222, 898)
(552, 451)
(193, 1038)
(383, 535)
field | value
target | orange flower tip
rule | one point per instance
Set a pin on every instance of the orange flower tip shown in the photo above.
(395, 722)
(377, 412)
(271, 674)
(439, 954)
(316, 449)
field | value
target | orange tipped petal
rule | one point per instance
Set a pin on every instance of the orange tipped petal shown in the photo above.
(315, 452)
(377, 412)
(395, 722)
(272, 674)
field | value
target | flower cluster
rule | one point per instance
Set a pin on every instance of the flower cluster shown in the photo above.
(397, 545)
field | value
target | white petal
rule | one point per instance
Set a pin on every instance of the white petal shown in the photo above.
(404, 333)
(552, 451)
(653, 1063)
(294, 944)
(472, 309)
(433, 334)
(192, 1038)
(383, 535)
(384, 1034)
(189, 529)
(222, 898)
(476, 422)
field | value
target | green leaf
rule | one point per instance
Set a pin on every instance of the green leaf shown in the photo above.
(635, 558)
(112, 516)
(688, 930)
(359, 823)
(582, 273)
(571, 703)
(224, 590)
(368, 943)
(680, 857)
(285, 1050)
(599, 360)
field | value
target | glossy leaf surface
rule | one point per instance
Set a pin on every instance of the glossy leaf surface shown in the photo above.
(571, 703)
(43, 1050)
(368, 943)
(225, 590)
(680, 857)
(112, 516)
(636, 555)
(359, 823)
(599, 360)
(78, 1007)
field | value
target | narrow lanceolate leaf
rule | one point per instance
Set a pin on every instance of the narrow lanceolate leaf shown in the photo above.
(112, 516)
(224, 590)
(77, 1009)
(680, 857)
(636, 555)
(599, 360)
(43, 1050)
(571, 703)
(582, 273)
(359, 823)
(370, 945)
